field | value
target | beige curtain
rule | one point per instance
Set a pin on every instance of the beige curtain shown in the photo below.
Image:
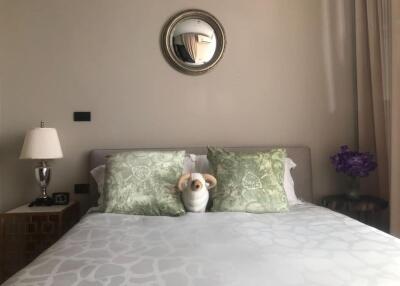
(395, 127)
(377, 104)
(372, 123)
(189, 40)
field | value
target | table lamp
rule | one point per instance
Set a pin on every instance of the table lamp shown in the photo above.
(42, 144)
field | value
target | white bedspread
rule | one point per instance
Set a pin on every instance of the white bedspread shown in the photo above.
(307, 246)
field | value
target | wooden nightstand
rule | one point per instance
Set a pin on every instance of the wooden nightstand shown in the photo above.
(25, 232)
(366, 209)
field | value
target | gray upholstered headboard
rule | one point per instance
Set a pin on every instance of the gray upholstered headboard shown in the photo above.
(300, 155)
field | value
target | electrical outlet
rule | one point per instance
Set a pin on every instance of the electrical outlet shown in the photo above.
(81, 188)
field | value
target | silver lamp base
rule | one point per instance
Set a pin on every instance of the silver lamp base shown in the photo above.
(43, 176)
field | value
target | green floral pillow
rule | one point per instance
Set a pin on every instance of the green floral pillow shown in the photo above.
(248, 182)
(143, 183)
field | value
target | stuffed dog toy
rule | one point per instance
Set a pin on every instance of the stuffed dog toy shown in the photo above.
(194, 188)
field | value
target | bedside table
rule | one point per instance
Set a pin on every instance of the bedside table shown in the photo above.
(365, 208)
(25, 232)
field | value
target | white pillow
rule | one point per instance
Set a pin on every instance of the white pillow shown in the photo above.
(189, 164)
(202, 164)
(196, 164)
(98, 175)
(288, 183)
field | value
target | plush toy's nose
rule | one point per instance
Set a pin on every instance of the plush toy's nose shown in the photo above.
(196, 185)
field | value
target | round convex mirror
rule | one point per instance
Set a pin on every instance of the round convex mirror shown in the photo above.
(193, 41)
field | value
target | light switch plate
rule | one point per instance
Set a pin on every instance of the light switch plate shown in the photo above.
(82, 116)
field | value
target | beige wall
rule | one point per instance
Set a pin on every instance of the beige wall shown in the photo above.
(286, 78)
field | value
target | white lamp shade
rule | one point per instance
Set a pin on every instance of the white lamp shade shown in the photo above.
(41, 143)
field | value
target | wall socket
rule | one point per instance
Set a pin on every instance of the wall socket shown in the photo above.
(81, 188)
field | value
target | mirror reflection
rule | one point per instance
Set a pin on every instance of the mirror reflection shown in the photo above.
(194, 41)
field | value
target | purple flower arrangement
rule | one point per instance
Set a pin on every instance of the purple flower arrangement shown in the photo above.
(352, 163)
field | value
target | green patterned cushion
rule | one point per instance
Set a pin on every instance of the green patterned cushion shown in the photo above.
(248, 182)
(143, 183)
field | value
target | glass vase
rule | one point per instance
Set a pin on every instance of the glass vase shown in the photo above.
(353, 191)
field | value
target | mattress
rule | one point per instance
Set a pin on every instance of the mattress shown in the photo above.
(308, 245)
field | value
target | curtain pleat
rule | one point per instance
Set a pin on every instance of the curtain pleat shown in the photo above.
(370, 94)
(395, 126)
(375, 38)
(189, 40)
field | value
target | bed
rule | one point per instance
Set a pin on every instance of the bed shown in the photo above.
(309, 245)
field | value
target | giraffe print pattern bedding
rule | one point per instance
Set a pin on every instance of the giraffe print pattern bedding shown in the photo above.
(308, 245)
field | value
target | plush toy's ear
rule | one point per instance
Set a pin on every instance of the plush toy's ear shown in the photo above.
(182, 181)
(210, 180)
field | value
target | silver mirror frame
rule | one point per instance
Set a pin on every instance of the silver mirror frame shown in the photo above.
(167, 44)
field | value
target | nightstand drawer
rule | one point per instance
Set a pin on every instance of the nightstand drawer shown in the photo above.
(27, 232)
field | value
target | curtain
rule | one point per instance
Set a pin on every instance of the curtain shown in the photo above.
(395, 127)
(189, 40)
(372, 123)
(377, 67)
